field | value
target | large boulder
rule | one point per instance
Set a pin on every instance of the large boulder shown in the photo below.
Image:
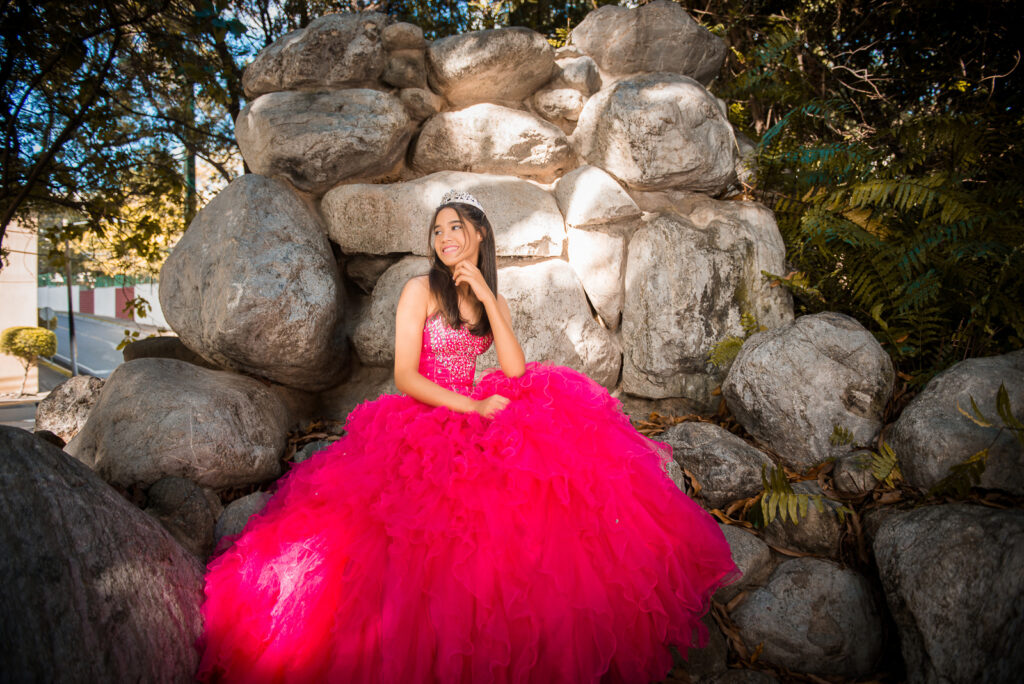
(560, 106)
(160, 417)
(164, 347)
(599, 259)
(553, 322)
(253, 286)
(94, 590)
(490, 138)
(66, 408)
(814, 616)
(319, 139)
(237, 513)
(395, 218)
(576, 73)
(953, 581)
(184, 510)
(687, 286)
(374, 336)
(818, 532)
(791, 386)
(658, 131)
(499, 65)
(932, 435)
(658, 36)
(334, 51)
(753, 558)
(726, 467)
(365, 384)
(588, 196)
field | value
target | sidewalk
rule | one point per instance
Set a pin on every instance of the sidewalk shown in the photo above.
(20, 412)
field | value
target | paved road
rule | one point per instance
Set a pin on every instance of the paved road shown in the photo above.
(97, 341)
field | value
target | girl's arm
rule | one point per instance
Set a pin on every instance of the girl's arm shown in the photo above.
(409, 320)
(510, 354)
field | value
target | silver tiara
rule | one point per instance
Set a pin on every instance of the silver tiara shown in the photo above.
(462, 197)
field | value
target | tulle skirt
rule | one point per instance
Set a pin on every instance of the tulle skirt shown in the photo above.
(544, 545)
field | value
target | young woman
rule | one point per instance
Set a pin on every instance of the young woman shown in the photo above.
(516, 531)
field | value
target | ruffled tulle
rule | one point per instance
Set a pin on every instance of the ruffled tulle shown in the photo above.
(545, 545)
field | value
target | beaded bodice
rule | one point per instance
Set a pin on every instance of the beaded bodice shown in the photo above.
(448, 355)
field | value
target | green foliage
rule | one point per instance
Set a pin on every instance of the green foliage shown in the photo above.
(28, 343)
(840, 436)
(724, 352)
(967, 473)
(962, 476)
(893, 169)
(778, 499)
(884, 465)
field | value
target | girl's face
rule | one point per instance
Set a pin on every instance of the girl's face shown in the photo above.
(455, 240)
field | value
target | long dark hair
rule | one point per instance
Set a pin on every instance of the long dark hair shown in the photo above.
(441, 284)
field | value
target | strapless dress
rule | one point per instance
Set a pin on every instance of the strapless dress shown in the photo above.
(544, 545)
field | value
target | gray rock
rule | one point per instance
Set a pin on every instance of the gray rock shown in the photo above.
(183, 509)
(658, 36)
(818, 533)
(790, 387)
(489, 138)
(599, 258)
(160, 417)
(751, 555)
(364, 271)
(704, 663)
(307, 451)
(365, 384)
(931, 435)
(66, 408)
(420, 103)
(553, 322)
(318, 139)
(395, 218)
(374, 338)
(851, 476)
(560, 106)
(687, 286)
(406, 69)
(94, 590)
(588, 196)
(165, 347)
(726, 467)
(403, 36)
(499, 65)
(237, 513)
(578, 73)
(658, 131)
(953, 582)
(253, 286)
(814, 616)
(334, 51)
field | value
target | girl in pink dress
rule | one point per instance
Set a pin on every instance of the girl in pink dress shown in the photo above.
(519, 530)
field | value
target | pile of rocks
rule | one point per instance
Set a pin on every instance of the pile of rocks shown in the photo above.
(602, 166)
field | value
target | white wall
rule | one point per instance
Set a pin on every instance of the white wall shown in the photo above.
(105, 301)
(18, 297)
(151, 293)
(56, 297)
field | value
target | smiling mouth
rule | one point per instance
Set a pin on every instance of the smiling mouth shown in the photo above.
(451, 249)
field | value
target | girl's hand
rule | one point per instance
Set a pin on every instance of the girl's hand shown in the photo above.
(465, 272)
(491, 405)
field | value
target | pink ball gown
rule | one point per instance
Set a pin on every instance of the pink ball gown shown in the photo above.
(544, 545)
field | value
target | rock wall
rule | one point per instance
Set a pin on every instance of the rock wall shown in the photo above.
(600, 165)
(606, 169)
